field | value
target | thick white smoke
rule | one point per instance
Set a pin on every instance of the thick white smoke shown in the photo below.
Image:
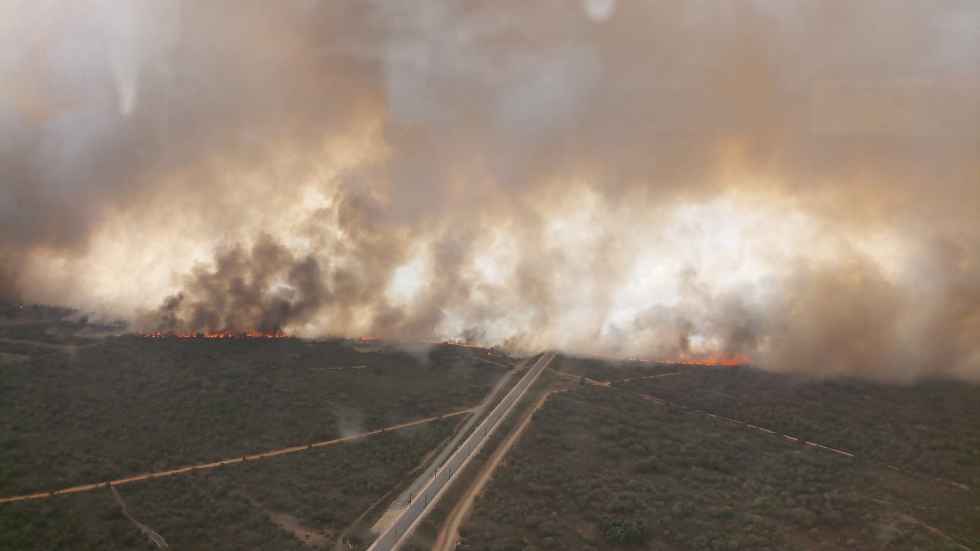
(793, 181)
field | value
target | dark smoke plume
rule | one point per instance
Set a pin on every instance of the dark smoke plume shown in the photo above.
(262, 289)
(795, 181)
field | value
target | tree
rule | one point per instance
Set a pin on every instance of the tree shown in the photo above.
(625, 532)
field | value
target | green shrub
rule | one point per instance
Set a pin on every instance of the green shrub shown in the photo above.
(625, 532)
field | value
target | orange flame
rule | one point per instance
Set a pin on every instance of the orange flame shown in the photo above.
(724, 361)
(216, 335)
(708, 360)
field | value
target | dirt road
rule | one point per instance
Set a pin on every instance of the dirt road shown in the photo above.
(69, 348)
(223, 462)
(788, 437)
(661, 401)
(449, 533)
(408, 519)
(404, 498)
(657, 376)
(154, 538)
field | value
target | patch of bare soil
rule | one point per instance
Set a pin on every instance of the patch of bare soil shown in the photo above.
(291, 524)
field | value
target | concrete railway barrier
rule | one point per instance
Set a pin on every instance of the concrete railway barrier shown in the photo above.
(401, 528)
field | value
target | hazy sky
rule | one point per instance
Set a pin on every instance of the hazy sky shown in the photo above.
(793, 180)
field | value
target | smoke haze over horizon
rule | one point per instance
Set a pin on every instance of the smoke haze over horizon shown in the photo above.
(796, 181)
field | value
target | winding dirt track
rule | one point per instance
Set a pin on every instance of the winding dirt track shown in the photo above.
(223, 462)
(449, 533)
(787, 437)
(50, 345)
(154, 538)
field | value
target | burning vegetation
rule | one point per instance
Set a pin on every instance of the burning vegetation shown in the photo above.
(705, 360)
(668, 171)
(712, 360)
(277, 334)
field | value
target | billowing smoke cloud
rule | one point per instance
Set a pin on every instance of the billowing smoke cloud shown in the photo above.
(262, 289)
(794, 181)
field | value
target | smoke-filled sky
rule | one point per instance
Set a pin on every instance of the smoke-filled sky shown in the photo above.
(793, 180)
